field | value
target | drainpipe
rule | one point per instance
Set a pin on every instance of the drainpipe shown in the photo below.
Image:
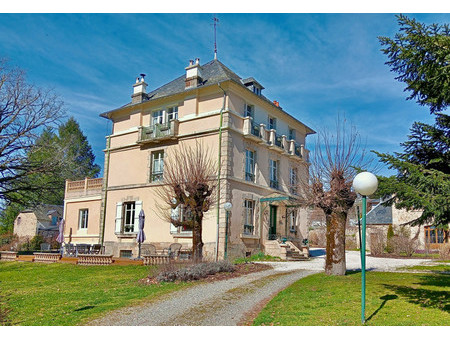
(105, 188)
(218, 170)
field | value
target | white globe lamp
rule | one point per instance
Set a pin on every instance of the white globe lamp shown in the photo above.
(365, 183)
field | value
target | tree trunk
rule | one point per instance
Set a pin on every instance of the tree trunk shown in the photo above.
(197, 243)
(335, 258)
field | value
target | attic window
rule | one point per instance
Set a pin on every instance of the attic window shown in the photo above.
(256, 90)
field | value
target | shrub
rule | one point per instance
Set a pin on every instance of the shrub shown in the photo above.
(404, 245)
(350, 242)
(8, 241)
(195, 272)
(390, 235)
(376, 243)
(444, 251)
(317, 237)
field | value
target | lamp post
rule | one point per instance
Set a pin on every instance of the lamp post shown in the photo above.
(365, 184)
(227, 206)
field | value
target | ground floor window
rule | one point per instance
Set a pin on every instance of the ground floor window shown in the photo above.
(292, 220)
(182, 214)
(435, 236)
(129, 210)
(249, 210)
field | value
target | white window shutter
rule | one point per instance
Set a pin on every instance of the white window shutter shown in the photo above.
(175, 214)
(118, 217)
(137, 210)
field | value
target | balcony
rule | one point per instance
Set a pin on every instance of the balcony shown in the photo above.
(158, 132)
(86, 187)
(280, 143)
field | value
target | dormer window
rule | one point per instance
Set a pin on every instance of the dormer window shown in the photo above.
(253, 85)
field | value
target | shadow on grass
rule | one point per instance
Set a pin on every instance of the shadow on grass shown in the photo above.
(424, 297)
(435, 278)
(84, 308)
(355, 271)
(385, 299)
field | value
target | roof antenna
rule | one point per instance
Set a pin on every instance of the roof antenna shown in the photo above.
(215, 40)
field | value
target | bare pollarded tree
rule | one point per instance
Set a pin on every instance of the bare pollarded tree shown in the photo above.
(188, 190)
(25, 111)
(333, 166)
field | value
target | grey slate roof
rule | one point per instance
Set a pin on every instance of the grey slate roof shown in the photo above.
(380, 214)
(212, 73)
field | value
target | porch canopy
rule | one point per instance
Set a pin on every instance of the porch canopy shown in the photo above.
(283, 205)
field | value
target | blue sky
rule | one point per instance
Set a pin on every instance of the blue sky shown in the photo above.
(316, 65)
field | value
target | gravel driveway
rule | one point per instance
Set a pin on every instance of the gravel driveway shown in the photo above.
(228, 301)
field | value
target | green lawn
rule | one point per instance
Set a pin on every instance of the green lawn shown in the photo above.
(66, 294)
(391, 299)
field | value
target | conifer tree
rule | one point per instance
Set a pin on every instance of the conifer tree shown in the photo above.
(420, 54)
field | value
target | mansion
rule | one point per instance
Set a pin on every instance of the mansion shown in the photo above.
(262, 155)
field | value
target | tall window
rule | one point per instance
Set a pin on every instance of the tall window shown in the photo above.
(157, 117)
(272, 123)
(157, 166)
(129, 210)
(249, 209)
(273, 171)
(83, 219)
(172, 113)
(249, 110)
(250, 157)
(291, 134)
(292, 220)
(293, 180)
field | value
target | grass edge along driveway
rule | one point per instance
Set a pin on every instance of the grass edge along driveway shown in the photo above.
(392, 298)
(65, 294)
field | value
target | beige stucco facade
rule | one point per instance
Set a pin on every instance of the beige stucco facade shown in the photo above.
(139, 135)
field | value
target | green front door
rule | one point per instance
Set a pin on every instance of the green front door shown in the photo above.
(273, 222)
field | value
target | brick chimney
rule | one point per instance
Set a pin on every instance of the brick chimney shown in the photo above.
(139, 90)
(193, 74)
(276, 103)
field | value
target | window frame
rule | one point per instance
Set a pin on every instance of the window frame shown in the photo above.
(159, 117)
(250, 176)
(271, 123)
(174, 113)
(157, 176)
(293, 180)
(128, 212)
(249, 110)
(273, 173)
(83, 218)
(249, 217)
